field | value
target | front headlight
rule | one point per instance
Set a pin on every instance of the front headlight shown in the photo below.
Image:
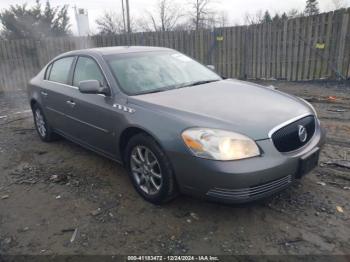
(219, 144)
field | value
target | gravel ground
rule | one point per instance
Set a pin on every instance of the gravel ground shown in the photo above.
(59, 198)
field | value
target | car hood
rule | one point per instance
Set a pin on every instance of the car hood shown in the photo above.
(240, 106)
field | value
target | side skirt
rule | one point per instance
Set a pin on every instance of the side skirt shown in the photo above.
(89, 147)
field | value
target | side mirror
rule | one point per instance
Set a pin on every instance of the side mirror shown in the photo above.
(92, 87)
(211, 67)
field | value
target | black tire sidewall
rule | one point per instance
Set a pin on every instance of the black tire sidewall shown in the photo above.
(168, 189)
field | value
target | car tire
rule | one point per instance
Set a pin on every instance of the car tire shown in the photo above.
(42, 126)
(152, 170)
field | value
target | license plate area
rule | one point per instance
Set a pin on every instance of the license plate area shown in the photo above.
(308, 162)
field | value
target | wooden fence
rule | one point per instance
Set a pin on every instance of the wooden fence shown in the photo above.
(305, 48)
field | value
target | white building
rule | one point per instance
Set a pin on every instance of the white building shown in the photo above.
(82, 18)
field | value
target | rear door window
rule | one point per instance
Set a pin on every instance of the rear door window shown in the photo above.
(60, 70)
(87, 69)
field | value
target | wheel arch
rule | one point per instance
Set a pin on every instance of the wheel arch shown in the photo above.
(33, 102)
(128, 133)
(131, 131)
(35, 99)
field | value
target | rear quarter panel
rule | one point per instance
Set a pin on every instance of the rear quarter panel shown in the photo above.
(34, 87)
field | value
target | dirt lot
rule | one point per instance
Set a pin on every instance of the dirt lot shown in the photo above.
(47, 191)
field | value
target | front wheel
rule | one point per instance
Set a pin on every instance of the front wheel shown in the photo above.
(150, 170)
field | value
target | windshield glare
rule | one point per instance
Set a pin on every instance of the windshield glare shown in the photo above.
(147, 72)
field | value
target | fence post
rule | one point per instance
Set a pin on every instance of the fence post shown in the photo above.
(343, 32)
(246, 58)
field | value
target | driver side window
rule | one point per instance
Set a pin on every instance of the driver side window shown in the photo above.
(87, 69)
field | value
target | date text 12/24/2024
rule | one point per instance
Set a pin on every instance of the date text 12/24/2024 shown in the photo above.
(173, 258)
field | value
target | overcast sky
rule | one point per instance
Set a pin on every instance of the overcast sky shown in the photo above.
(236, 9)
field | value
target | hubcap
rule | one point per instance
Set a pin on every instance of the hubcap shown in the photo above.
(146, 170)
(40, 123)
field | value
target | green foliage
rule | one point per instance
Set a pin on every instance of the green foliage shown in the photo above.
(276, 18)
(284, 17)
(311, 7)
(267, 17)
(20, 21)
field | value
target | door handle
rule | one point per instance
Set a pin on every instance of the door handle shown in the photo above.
(43, 93)
(71, 103)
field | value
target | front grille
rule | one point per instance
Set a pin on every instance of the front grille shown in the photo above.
(287, 138)
(251, 192)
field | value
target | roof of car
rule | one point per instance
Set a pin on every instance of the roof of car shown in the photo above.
(119, 50)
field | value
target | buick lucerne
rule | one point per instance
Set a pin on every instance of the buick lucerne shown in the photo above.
(176, 125)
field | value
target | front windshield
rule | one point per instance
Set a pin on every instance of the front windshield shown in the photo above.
(140, 73)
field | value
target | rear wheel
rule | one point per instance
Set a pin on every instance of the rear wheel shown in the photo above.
(42, 127)
(150, 170)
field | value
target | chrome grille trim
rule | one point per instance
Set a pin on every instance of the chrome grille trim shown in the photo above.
(287, 139)
(273, 130)
(251, 192)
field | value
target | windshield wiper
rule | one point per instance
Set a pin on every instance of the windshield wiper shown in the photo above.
(196, 83)
(178, 86)
(154, 91)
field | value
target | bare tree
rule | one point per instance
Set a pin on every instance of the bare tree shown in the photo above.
(110, 23)
(293, 13)
(216, 19)
(143, 24)
(165, 16)
(183, 26)
(201, 13)
(222, 19)
(339, 4)
(253, 19)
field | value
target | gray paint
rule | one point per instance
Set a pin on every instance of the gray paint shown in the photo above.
(97, 122)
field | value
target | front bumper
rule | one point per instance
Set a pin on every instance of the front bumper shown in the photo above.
(242, 180)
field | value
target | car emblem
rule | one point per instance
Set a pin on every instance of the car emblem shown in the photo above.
(302, 133)
(124, 108)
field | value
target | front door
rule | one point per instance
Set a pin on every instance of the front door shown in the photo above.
(94, 114)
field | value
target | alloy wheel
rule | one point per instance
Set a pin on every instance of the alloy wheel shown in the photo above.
(40, 122)
(146, 170)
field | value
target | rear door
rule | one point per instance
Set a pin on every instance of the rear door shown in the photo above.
(57, 92)
(93, 113)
